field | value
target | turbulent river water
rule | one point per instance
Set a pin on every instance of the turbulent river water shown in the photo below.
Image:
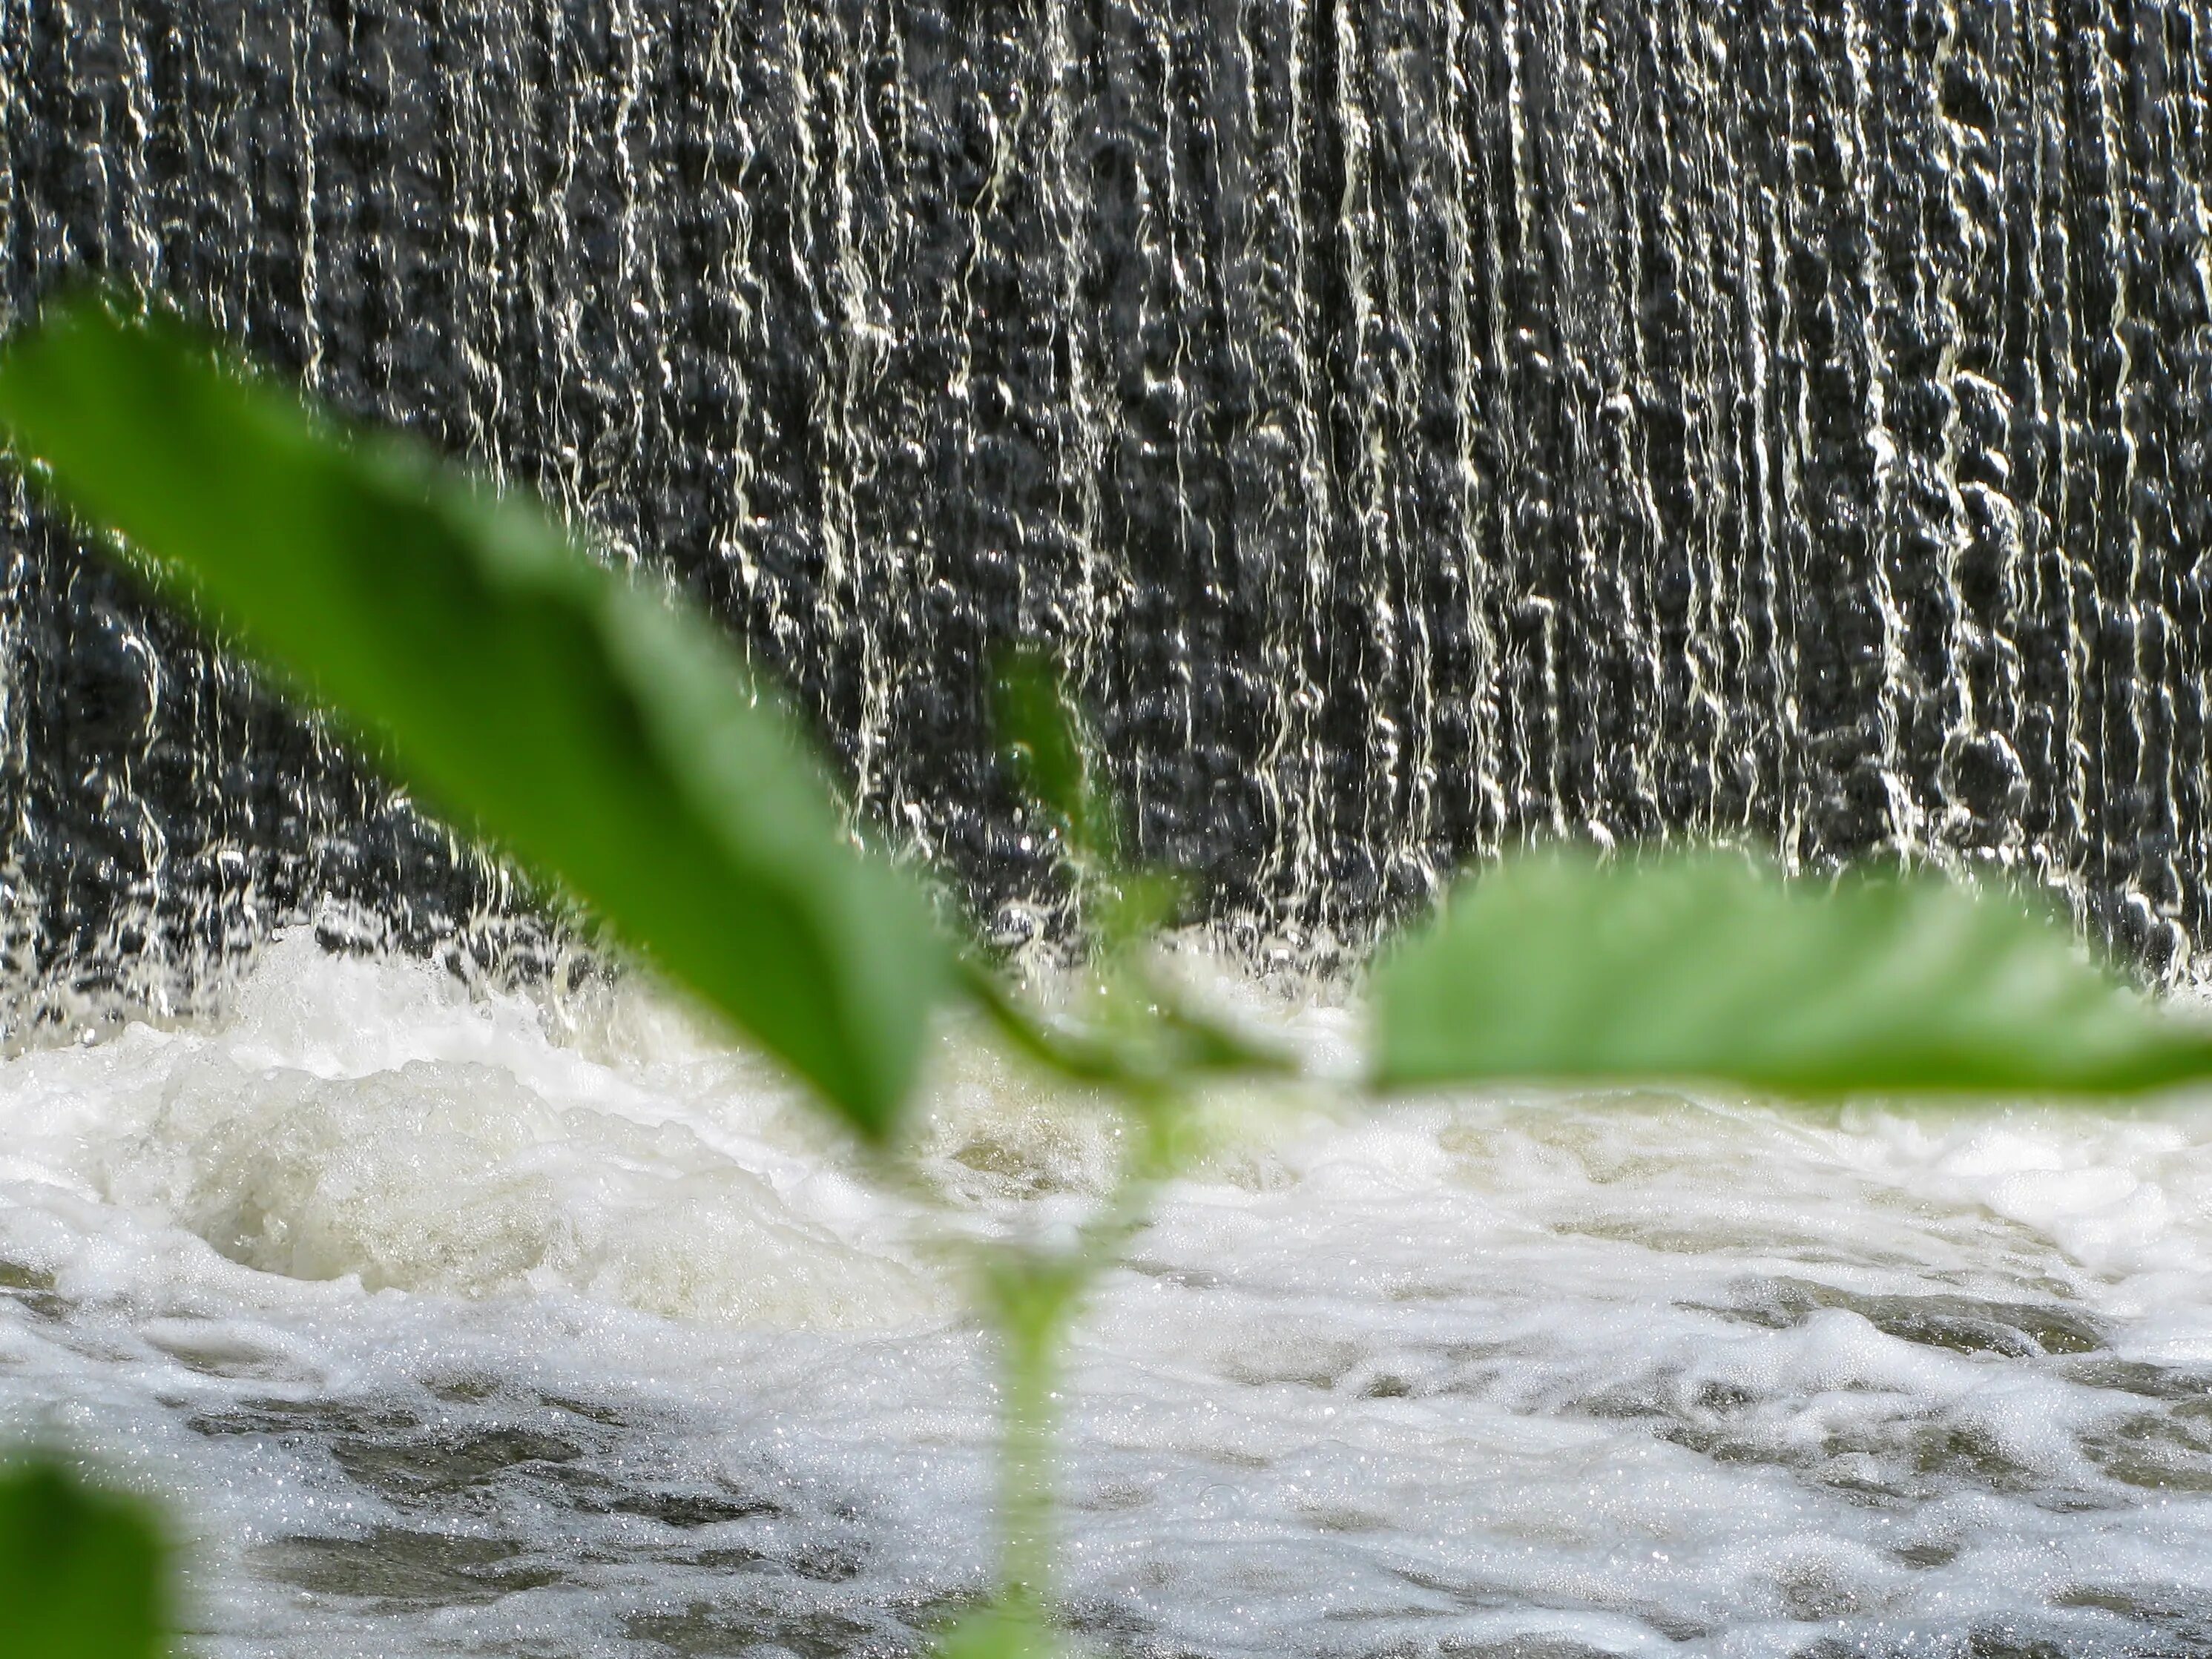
(456, 1324)
(1420, 424)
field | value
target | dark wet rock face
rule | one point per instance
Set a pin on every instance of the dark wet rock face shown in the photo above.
(1422, 424)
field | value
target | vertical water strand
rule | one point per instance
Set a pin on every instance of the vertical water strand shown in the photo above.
(1954, 485)
(1357, 735)
(1748, 101)
(1235, 707)
(869, 252)
(1185, 604)
(1877, 544)
(909, 465)
(807, 612)
(1926, 250)
(1143, 518)
(1709, 221)
(1563, 493)
(1086, 621)
(1795, 280)
(1703, 226)
(1995, 578)
(1249, 712)
(1466, 651)
(1778, 344)
(2188, 279)
(1306, 96)
(726, 323)
(18, 582)
(1008, 553)
(1535, 794)
(25, 578)
(98, 174)
(1384, 132)
(2041, 311)
(178, 907)
(1894, 127)
(561, 286)
(853, 348)
(2137, 613)
(300, 140)
(1443, 472)
(1638, 186)
(20, 920)
(628, 444)
(2157, 333)
(924, 443)
(496, 106)
(1588, 522)
(1843, 452)
(2078, 461)
(479, 101)
(1412, 67)
(1983, 776)
(1230, 418)
(1647, 424)
(1988, 778)
(2113, 554)
(1400, 70)
(1283, 496)
(1488, 119)
(2130, 741)
(128, 245)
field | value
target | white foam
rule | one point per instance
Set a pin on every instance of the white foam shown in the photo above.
(463, 1324)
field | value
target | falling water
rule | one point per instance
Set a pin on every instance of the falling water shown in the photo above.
(1423, 423)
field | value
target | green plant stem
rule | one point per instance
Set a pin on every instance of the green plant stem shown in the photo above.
(1034, 1295)
(1030, 1363)
(1079, 1059)
(1200, 1045)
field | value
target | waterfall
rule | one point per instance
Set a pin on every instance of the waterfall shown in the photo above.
(1421, 423)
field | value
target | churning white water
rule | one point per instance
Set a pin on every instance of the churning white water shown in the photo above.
(445, 1325)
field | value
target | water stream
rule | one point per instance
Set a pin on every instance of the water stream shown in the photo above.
(1421, 424)
(451, 1330)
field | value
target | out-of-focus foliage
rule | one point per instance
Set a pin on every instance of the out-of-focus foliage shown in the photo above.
(1044, 739)
(84, 1573)
(1556, 968)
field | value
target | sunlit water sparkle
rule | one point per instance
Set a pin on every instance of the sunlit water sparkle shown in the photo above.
(448, 1326)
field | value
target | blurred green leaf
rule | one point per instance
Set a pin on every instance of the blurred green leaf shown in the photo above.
(82, 1573)
(1556, 968)
(1043, 737)
(997, 1633)
(604, 736)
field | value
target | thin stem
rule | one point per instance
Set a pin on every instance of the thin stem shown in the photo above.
(1202, 1044)
(1148, 1043)
(1030, 1358)
(1034, 1295)
(1072, 1057)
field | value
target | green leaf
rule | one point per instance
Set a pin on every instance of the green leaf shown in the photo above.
(997, 1633)
(82, 1573)
(1044, 740)
(606, 737)
(1556, 968)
